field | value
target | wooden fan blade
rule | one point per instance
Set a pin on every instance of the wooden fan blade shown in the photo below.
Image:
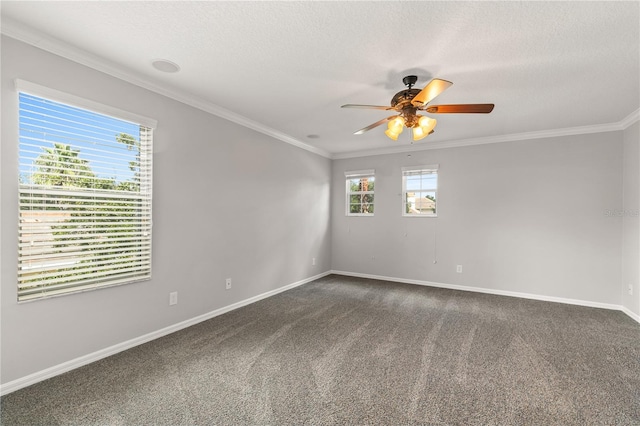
(430, 91)
(376, 124)
(460, 109)
(366, 106)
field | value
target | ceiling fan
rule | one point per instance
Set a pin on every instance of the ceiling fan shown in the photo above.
(408, 102)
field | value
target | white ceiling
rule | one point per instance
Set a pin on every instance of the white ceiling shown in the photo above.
(285, 68)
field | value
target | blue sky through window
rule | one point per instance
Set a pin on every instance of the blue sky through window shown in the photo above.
(44, 122)
(422, 182)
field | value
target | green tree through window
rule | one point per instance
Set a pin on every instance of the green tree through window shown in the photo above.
(360, 195)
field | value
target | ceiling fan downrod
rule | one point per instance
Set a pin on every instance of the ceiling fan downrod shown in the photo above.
(410, 80)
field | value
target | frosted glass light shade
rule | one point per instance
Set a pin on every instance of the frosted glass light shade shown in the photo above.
(418, 133)
(394, 133)
(395, 127)
(427, 124)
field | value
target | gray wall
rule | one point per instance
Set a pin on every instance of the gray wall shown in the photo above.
(228, 202)
(526, 216)
(630, 227)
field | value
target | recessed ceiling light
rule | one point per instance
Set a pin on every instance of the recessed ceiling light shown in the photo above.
(165, 65)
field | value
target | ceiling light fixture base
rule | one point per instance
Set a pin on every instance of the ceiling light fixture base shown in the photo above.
(410, 80)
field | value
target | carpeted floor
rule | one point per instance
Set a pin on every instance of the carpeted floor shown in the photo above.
(362, 352)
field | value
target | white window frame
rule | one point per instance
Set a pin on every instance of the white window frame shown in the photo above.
(358, 174)
(82, 243)
(418, 170)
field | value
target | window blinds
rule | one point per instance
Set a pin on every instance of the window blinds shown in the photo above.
(355, 174)
(419, 170)
(85, 189)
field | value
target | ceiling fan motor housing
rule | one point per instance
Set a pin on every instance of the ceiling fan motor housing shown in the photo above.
(411, 118)
(401, 102)
(403, 98)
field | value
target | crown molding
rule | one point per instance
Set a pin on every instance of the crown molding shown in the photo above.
(569, 131)
(630, 119)
(14, 29)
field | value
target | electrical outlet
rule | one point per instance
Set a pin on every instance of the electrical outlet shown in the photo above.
(313, 261)
(630, 289)
(228, 283)
(173, 298)
(459, 269)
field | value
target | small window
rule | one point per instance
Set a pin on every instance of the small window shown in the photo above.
(360, 193)
(420, 191)
(84, 197)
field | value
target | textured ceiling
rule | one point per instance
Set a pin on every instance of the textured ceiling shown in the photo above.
(286, 67)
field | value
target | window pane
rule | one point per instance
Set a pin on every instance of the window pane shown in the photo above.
(420, 192)
(413, 182)
(85, 199)
(429, 181)
(354, 185)
(360, 195)
(420, 202)
(420, 182)
(355, 199)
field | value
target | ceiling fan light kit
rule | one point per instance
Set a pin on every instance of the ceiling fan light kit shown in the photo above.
(409, 101)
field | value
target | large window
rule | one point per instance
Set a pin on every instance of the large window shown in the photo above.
(360, 192)
(419, 191)
(84, 195)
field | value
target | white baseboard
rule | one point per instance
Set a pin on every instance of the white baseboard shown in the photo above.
(496, 292)
(56, 370)
(630, 313)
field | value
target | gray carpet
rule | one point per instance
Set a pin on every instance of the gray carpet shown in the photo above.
(352, 351)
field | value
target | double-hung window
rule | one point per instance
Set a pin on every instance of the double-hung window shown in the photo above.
(420, 191)
(84, 194)
(360, 192)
